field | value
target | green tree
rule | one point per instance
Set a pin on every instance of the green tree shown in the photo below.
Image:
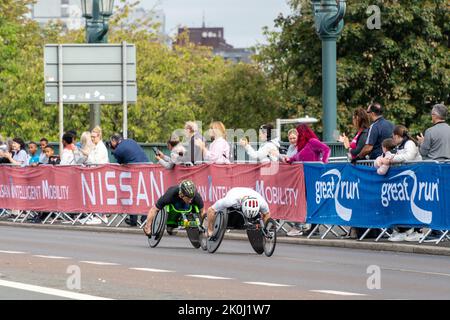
(174, 84)
(404, 65)
(241, 98)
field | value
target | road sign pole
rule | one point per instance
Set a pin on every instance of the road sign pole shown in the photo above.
(94, 115)
(60, 98)
(96, 32)
(124, 89)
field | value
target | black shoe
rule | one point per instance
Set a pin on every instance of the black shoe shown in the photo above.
(130, 223)
(308, 232)
(34, 220)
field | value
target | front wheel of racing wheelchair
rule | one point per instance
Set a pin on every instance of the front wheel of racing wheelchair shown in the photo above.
(212, 243)
(158, 226)
(262, 238)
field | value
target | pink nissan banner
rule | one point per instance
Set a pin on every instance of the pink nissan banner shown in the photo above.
(135, 188)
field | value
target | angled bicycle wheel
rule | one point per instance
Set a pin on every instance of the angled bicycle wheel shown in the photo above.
(158, 226)
(270, 237)
(220, 226)
(255, 237)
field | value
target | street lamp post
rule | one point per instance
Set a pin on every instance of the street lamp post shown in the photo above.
(96, 13)
(328, 19)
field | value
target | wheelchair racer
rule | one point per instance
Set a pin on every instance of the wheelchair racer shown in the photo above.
(248, 200)
(183, 197)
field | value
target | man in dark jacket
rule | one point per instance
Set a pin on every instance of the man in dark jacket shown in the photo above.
(379, 130)
(128, 151)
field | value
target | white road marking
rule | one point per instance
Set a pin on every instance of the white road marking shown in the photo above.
(12, 252)
(269, 284)
(101, 263)
(207, 277)
(51, 257)
(416, 271)
(49, 291)
(151, 270)
(339, 293)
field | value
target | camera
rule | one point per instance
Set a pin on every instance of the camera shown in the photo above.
(156, 150)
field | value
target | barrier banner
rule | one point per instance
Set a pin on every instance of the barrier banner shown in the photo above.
(445, 169)
(135, 188)
(410, 195)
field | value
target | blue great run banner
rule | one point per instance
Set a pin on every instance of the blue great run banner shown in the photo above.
(348, 195)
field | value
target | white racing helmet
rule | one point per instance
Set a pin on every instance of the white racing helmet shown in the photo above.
(250, 207)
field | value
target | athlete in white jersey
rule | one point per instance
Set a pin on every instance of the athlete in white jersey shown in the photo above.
(246, 199)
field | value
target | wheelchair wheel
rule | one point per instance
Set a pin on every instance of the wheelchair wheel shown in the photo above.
(255, 237)
(270, 238)
(202, 235)
(158, 226)
(220, 226)
(194, 236)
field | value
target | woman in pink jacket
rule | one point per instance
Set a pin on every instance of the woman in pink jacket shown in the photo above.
(309, 147)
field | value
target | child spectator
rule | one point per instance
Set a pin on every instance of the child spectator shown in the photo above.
(50, 154)
(388, 145)
(33, 157)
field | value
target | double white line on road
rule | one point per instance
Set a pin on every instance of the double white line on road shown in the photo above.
(52, 257)
(151, 270)
(268, 284)
(338, 293)
(12, 252)
(99, 263)
(207, 277)
(49, 291)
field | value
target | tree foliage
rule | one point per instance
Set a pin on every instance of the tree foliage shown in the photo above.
(175, 84)
(404, 65)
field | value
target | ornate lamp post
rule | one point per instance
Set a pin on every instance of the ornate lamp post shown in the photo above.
(328, 18)
(96, 13)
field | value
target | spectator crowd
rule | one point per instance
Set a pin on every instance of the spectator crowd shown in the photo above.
(374, 138)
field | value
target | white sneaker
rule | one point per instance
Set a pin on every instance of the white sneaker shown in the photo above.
(409, 232)
(94, 220)
(414, 237)
(397, 237)
(294, 232)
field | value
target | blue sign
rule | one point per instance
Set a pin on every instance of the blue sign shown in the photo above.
(410, 195)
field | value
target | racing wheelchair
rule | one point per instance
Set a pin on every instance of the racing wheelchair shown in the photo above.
(262, 237)
(169, 217)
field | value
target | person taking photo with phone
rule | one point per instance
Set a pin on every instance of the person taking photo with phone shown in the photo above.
(177, 152)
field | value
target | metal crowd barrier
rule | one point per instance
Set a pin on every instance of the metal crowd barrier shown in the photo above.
(338, 231)
(384, 231)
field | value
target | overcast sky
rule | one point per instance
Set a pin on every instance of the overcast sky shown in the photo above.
(243, 20)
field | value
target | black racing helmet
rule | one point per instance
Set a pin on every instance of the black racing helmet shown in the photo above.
(187, 188)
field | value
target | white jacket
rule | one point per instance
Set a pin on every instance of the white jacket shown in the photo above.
(67, 157)
(268, 151)
(98, 155)
(410, 152)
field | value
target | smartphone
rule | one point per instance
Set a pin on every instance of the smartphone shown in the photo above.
(156, 150)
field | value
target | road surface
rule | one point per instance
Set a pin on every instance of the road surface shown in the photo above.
(64, 264)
